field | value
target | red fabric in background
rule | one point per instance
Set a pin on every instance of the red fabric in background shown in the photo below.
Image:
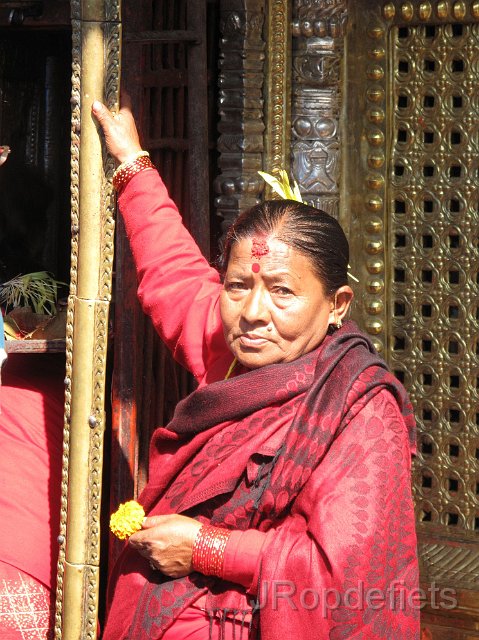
(31, 435)
(26, 606)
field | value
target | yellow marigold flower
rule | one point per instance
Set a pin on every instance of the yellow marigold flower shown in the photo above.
(127, 519)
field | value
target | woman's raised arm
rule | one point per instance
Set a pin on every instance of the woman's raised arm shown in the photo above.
(178, 289)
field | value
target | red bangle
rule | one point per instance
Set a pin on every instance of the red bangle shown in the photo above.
(125, 172)
(209, 550)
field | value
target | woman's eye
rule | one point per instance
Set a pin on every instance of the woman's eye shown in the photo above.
(283, 291)
(235, 286)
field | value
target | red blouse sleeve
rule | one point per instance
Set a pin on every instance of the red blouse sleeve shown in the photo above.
(242, 554)
(178, 289)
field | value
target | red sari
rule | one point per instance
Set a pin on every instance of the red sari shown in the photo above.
(332, 496)
(31, 444)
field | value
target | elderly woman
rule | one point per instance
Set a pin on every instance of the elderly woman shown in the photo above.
(278, 499)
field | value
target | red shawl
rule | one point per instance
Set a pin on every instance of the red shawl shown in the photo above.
(322, 391)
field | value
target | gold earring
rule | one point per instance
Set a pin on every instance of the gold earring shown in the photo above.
(338, 323)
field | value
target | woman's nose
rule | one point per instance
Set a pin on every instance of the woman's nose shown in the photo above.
(255, 307)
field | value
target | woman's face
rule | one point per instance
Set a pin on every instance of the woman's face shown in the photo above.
(273, 305)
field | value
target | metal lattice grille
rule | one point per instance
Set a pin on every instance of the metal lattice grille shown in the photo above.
(433, 299)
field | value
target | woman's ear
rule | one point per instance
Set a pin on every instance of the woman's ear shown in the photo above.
(340, 304)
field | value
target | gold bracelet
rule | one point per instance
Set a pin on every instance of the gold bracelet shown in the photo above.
(126, 170)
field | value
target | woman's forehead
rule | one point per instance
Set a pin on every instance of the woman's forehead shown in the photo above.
(274, 257)
(259, 249)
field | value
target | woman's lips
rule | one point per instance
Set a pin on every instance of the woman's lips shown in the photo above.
(252, 340)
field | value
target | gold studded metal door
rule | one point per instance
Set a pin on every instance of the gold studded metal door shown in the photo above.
(411, 203)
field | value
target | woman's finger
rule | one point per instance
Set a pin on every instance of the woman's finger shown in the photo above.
(121, 135)
(153, 521)
(101, 113)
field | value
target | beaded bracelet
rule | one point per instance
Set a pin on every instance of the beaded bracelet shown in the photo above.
(126, 170)
(209, 550)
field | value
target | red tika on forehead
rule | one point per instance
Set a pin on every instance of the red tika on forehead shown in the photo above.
(259, 249)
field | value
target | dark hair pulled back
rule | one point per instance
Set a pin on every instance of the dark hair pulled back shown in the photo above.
(311, 231)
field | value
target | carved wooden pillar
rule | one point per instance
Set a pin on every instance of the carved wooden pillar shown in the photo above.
(317, 58)
(241, 127)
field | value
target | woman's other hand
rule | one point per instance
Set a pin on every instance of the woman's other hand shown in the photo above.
(121, 134)
(167, 542)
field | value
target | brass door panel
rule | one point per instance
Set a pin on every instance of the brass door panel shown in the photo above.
(411, 194)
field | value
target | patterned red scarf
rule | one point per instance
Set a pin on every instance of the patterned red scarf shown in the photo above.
(330, 385)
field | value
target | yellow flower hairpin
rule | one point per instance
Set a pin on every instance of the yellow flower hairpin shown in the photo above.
(127, 519)
(282, 187)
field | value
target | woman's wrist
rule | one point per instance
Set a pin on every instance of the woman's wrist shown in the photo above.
(131, 157)
(208, 551)
(134, 163)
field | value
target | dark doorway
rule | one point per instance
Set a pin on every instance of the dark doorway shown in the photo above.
(35, 69)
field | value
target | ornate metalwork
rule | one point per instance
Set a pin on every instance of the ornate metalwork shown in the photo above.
(278, 116)
(318, 30)
(241, 104)
(436, 261)
(95, 41)
(452, 566)
(75, 10)
(74, 201)
(413, 194)
(109, 11)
